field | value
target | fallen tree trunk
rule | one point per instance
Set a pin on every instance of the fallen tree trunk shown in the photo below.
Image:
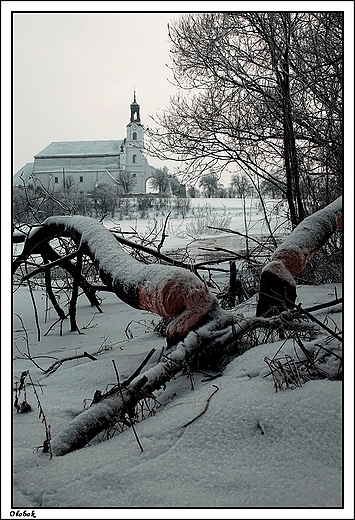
(222, 335)
(169, 291)
(277, 283)
(210, 333)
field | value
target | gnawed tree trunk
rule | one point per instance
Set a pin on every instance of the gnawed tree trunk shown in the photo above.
(171, 292)
(210, 334)
(277, 284)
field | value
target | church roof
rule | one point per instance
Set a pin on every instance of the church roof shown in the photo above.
(80, 149)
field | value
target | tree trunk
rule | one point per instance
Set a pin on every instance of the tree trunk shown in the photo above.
(223, 335)
(171, 292)
(277, 284)
(211, 335)
(282, 70)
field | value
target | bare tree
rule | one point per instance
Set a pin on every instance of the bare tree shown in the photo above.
(126, 181)
(104, 200)
(254, 94)
(241, 184)
(209, 182)
(160, 180)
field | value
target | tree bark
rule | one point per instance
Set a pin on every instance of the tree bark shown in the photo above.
(169, 291)
(223, 335)
(211, 335)
(48, 281)
(277, 284)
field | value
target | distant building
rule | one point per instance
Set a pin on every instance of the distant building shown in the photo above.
(89, 163)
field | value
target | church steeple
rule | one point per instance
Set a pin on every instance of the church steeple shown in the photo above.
(135, 117)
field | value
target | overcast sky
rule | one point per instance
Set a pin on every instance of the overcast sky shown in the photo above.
(74, 76)
(74, 73)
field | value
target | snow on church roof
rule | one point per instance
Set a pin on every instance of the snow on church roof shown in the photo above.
(80, 148)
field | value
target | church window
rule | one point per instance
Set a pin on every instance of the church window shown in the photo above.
(134, 159)
(134, 136)
(81, 179)
(56, 180)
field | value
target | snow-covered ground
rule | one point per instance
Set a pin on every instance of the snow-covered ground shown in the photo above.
(252, 448)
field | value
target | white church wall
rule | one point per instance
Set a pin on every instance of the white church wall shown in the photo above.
(88, 163)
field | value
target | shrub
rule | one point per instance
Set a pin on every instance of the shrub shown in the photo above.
(206, 216)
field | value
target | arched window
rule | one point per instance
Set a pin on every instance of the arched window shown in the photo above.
(134, 136)
(134, 158)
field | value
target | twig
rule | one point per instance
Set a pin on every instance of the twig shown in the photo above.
(227, 230)
(59, 362)
(59, 320)
(26, 338)
(88, 325)
(329, 351)
(126, 407)
(125, 383)
(191, 377)
(210, 377)
(50, 265)
(311, 317)
(74, 297)
(261, 428)
(204, 411)
(50, 195)
(324, 305)
(116, 371)
(47, 443)
(139, 369)
(229, 251)
(163, 235)
(35, 311)
(48, 284)
(150, 251)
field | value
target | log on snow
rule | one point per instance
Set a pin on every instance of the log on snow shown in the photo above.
(169, 291)
(277, 283)
(219, 337)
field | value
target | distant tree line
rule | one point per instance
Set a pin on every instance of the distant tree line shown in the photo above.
(34, 205)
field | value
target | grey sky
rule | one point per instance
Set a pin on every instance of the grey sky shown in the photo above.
(74, 75)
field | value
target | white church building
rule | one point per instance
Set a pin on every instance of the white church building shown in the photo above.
(89, 163)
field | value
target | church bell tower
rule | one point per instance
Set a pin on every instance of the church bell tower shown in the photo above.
(135, 117)
(134, 140)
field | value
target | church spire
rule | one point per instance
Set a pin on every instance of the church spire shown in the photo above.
(135, 117)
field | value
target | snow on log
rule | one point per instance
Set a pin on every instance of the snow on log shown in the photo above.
(277, 284)
(105, 413)
(171, 292)
(222, 335)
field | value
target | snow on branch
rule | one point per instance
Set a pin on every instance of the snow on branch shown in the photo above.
(223, 335)
(171, 292)
(277, 284)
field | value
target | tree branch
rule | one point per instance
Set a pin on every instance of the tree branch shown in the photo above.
(277, 284)
(221, 336)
